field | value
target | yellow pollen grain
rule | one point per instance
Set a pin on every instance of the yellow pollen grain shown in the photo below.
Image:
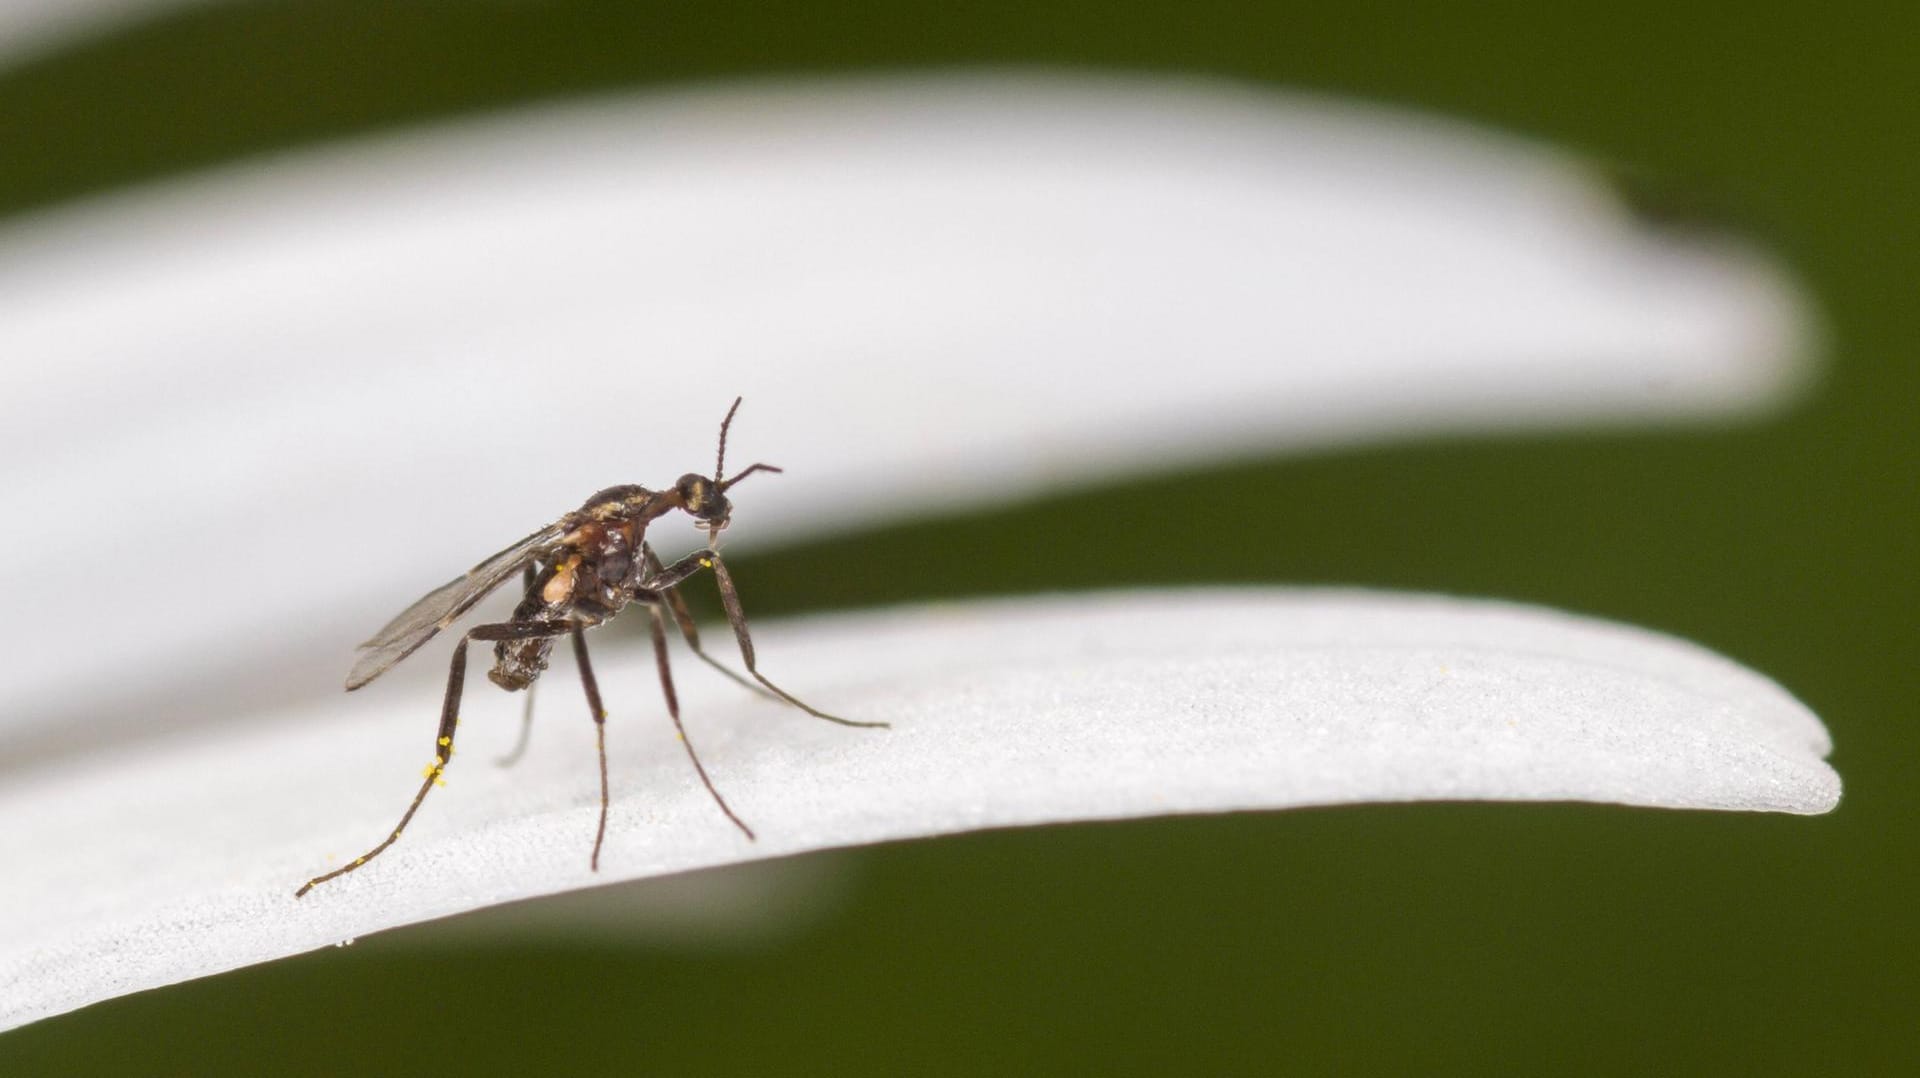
(445, 741)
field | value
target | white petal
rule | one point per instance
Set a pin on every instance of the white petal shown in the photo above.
(340, 377)
(745, 905)
(28, 27)
(140, 868)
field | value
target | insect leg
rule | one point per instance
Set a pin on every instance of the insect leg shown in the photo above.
(526, 730)
(449, 718)
(730, 598)
(526, 711)
(592, 685)
(684, 618)
(658, 624)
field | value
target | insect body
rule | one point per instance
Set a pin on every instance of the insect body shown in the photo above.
(578, 572)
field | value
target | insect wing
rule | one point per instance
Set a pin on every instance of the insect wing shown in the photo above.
(439, 608)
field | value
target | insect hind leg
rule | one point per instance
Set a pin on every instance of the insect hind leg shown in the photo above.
(449, 719)
(526, 732)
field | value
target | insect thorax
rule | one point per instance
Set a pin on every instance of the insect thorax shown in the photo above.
(588, 577)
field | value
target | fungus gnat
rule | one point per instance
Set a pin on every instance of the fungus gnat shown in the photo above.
(578, 572)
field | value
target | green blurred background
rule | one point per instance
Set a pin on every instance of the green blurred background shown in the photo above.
(1394, 939)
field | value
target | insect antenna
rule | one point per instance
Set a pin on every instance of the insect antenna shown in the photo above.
(720, 462)
(756, 468)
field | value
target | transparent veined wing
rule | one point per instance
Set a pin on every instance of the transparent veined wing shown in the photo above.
(439, 608)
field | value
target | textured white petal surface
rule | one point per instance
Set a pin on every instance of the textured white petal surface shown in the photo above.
(132, 869)
(339, 377)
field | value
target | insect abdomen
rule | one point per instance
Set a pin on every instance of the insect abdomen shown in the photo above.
(516, 663)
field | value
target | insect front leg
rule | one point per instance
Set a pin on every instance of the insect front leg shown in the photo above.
(449, 718)
(730, 599)
(677, 605)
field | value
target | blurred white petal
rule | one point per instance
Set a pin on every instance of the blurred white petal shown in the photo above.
(745, 905)
(283, 400)
(143, 866)
(31, 27)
